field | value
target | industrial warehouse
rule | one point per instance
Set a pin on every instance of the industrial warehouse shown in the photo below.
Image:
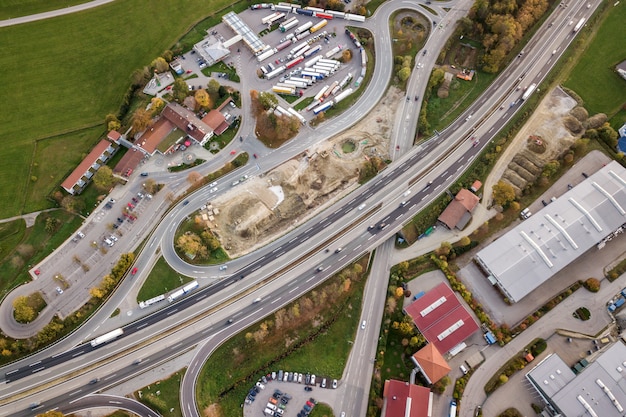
(548, 241)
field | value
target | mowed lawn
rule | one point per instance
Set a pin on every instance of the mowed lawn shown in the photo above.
(594, 77)
(14, 8)
(65, 74)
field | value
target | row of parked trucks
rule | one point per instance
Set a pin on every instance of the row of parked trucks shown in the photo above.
(307, 11)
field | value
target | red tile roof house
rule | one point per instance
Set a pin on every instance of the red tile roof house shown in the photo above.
(431, 363)
(401, 399)
(76, 182)
(188, 122)
(459, 211)
(441, 318)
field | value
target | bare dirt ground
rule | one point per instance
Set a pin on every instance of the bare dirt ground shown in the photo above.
(524, 158)
(265, 207)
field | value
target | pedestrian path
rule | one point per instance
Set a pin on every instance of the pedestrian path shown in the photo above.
(29, 218)
(53, 13)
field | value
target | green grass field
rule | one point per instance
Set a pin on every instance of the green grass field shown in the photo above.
(10, 9)
(161, 280)
(65, 74)
(594, 78)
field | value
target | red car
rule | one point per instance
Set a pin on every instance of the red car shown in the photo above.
(233, 152)
(255, 156)
(169, 87)
(134, 271)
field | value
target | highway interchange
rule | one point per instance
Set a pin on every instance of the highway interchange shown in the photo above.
(427, 170)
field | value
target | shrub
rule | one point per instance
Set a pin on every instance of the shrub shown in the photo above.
(592, 284)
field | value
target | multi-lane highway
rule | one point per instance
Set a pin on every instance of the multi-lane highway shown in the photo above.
(426, 170)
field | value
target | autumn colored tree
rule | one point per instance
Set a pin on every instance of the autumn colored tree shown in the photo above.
(503, 193)
(112, 122)
(203, 99)
(156, 106)
(346, 55)
(592, 284)
(159, 64)
(551, 168)
(22, 312)
(103, 179)
(267, 100)
(191, 245)
(141, 120)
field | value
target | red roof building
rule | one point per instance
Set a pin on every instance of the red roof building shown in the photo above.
(401, 399)
(459, 211)
(441, 318)
(431, 363)
(76, 182)
(188, 122)
(216, 121)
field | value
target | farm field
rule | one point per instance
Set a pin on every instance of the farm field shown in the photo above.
(68, 72)
(594, 78)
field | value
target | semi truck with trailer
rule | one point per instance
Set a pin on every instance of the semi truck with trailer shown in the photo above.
(284, 90)
(318, 26)
(182, 291)
(268, 18)
(266, 54)
(293, 62)
(333, 51)
(275, 73)
(343, 95)
(579, 25)
(323, 107)
(319, 95)
(354, 17)
(149, 302)
(107, 337)
(289, 24)
(312, 61)
(304, 27)
(529, 90)
(297, 115)
(312, 51)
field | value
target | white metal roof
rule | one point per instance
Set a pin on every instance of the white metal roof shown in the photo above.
(539, 247)
(241, 28)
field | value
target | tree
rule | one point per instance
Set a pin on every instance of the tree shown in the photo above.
(22, 312)
(168, 55)
(159, 64)
(436, 78)
(112, 122)
(268, 100)
(551, 168)
(141, 120)
(399, 292)
(103, 178)
(592, 284)
(503, 193)
(180, 90)
(608, 135)
(156, 105)
(465, 241)
(190, 244)
(346, 55)
(213, 89)
(404, 74)
(96, 292)
(203, 99)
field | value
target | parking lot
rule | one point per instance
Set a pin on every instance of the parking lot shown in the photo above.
(284, 398)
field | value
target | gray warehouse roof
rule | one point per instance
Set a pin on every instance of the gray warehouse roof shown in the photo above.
(598, 391)
(542, 245)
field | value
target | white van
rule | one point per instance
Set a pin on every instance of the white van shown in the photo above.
(463, 369)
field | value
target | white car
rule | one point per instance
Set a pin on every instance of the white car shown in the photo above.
(212, 190)
(334, 383)
(113, 238)
(363, 324)
(223, 267)
(213, 184)
(59, 290)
